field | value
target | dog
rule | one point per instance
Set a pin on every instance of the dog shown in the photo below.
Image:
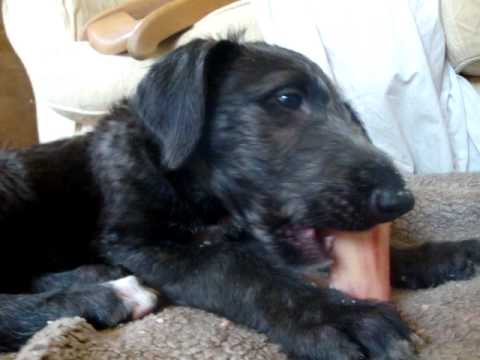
(200, 190)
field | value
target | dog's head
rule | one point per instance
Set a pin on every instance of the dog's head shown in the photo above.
(266, 132)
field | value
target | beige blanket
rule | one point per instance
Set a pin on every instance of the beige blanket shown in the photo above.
(446, 319)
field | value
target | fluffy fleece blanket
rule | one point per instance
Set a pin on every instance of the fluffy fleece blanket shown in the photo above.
(446, 319)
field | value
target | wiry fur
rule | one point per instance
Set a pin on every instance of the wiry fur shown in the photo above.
(189, 185)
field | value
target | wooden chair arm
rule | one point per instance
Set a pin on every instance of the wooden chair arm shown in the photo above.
(138, 26)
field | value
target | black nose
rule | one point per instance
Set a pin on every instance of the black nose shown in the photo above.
(388, 204)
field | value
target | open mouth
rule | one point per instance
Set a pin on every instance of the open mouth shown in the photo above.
(358, 261)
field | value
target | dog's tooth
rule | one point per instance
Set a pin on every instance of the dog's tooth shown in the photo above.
(329, 240)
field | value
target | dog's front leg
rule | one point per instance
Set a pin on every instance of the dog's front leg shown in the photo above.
(76, 278)
(232, 281)
(433, 264)
(103, 305)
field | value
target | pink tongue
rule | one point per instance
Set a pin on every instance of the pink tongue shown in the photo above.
(361, 263)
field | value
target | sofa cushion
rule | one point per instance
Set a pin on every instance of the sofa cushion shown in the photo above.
(461, 20)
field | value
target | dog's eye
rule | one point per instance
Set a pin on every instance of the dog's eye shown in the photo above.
(290, 99)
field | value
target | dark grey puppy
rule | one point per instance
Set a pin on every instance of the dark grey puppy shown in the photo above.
(205, 185)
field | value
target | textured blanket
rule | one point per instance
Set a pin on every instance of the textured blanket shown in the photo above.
(446, 319)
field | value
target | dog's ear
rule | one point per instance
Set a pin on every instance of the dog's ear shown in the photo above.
(171, 99)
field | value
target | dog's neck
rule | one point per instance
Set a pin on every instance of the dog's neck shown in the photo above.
(193, 197)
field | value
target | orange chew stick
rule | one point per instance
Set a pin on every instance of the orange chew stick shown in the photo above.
(361, 265)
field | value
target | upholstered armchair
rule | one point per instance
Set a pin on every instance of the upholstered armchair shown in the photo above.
(75, 84)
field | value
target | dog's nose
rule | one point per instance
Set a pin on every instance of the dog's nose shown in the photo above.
(388, 204)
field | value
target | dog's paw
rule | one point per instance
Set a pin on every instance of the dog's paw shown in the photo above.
(433, 264)
(138, 299)
(351, 331)
(377, 329)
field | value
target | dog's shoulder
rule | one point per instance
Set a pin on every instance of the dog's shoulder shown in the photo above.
(121, 133)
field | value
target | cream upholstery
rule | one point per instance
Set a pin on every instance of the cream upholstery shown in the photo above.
(71, 81)
(461, 20)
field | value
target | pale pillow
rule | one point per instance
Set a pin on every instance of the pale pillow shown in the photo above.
(461, 20)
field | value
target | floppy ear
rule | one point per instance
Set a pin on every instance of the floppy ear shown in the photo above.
(171, 99)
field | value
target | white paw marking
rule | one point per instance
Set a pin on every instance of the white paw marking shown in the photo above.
(139, 299)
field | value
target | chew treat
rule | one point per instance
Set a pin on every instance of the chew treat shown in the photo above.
(361, 263)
